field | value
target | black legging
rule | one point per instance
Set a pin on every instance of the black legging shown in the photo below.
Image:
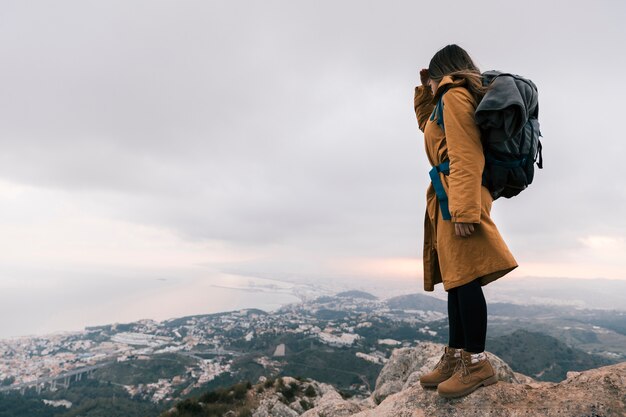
(467, 317)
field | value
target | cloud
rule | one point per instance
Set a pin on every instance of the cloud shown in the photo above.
(285, 129)
(604, 243)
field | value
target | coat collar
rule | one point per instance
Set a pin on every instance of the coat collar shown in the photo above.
(445, 84)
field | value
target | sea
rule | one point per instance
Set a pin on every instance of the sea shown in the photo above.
(39, 303)
(68, 305)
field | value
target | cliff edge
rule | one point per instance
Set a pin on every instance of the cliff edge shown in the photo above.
(596, 392)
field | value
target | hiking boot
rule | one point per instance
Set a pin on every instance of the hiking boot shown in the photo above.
(444, 369)
(467, 377)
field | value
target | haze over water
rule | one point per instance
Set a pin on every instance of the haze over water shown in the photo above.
(105, 300)
(71, 304)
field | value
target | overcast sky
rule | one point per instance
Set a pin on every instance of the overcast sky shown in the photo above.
(277, 138)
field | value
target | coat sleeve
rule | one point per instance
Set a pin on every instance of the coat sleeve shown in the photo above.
(423, 105)
(465, 152)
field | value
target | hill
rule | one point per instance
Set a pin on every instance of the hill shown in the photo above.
(418, 302)
(356, 294)
(542, 356)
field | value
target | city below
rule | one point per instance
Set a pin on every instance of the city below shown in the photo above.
(343, 339)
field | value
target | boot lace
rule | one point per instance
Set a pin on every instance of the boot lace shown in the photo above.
(463, 371)
(444, 364)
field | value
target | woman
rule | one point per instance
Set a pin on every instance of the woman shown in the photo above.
(466, 251)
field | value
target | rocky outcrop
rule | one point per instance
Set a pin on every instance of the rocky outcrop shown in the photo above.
(272, 407)
(332, 404)
(324, 399)
(406, 365)
(596, 392)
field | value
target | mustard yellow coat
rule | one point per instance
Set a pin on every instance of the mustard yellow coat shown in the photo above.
(448, 258)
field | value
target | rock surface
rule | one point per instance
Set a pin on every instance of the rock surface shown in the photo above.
(333, 404)
(406, 365)
(274, 408)
(273, 403)
(597, 392)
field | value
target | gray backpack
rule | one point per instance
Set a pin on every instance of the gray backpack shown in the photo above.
(508, 119)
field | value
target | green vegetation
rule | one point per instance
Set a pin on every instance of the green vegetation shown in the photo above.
(145, 371)
(612, 320)
(417, 302)
(310, 391)
(125, 327)
(216, 403)
(89, 398)
(109, 407)
(305, 404)
(541, 356)
(239, 400)
(337, 366)
(326, 314)
(7, 381)
(288, 391)
(14, 404)
(269, 382)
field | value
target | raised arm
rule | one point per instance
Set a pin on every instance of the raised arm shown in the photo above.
(423, 105)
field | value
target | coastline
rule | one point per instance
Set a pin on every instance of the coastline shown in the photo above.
(154, 299)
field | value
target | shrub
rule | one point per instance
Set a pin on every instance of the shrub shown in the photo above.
(188, 406)
(345, 395)
(310, 391)
(289, 392)
(269, 382)
(245, 412)
(210, 397)
(240, 390)
(305, 404)
(215, 410)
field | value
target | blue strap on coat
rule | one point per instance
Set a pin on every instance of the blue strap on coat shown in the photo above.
(438, 112)
(444, 167)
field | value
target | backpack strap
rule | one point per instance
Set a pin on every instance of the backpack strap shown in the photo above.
(438, 111)
(517, 163)
(540, 162)
(439, 190)
(444, 167)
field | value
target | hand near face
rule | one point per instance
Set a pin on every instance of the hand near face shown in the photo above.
(424, 77)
